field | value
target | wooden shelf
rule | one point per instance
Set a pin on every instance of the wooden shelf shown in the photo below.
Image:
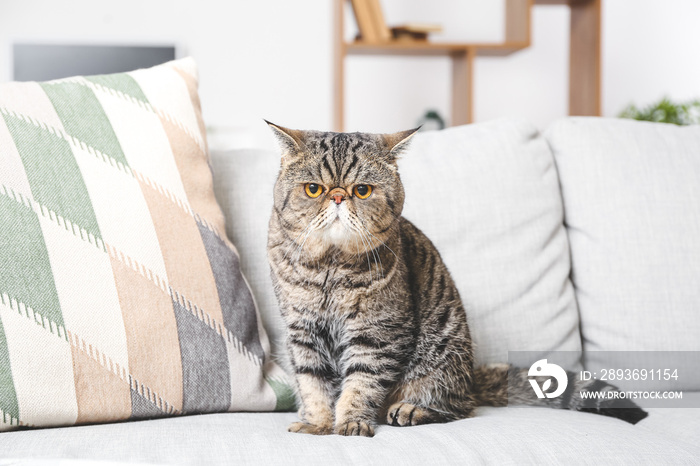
(584, 66)
(431, 48)
(500, 50)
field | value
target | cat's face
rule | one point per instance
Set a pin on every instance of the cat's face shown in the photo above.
(338, 190)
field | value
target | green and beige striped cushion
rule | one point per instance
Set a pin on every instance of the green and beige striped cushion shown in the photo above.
(120, 295)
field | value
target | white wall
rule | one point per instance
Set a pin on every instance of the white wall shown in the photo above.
(651, 49)
(273, 58)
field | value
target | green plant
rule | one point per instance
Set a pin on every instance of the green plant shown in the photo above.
(666, 111)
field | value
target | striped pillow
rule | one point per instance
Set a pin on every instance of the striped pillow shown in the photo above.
(120, 295)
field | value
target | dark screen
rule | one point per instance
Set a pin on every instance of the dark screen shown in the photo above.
(43, 62)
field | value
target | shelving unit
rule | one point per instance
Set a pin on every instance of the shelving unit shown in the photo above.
(584, 76)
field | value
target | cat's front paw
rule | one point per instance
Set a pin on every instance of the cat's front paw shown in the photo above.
(304, 428)
(359, 428)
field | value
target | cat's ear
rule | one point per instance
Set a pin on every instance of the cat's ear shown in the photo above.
(396, 143)
(291, 140)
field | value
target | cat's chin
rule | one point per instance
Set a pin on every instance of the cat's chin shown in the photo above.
(335, 237)
(338, 234)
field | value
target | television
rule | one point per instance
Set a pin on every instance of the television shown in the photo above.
(43, 62)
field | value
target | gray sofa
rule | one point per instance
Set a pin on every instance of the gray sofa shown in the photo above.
(583, 238)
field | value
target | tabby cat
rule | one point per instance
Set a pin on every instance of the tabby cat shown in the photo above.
(376, 329)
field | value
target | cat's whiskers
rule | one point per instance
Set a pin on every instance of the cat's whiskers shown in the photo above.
(294, 241)
(380, 241)
(313, 226)
(354, 221)
(369, 264)
(375, 256)
(300, 247)
(368, 247)
(357, 246)
(375, 250)
(322, 221)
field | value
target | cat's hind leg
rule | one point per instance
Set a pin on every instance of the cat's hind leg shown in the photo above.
(407, 414)
(441, 395)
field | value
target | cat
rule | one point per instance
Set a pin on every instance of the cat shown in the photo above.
(376, 329)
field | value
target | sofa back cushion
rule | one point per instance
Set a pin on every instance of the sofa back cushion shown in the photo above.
(243, 181)
(487, 195)
(120, 295)
(631, 194)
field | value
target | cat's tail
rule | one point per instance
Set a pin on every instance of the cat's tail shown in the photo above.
(502, 384)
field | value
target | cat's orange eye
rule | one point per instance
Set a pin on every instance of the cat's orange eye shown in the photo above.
(313, 190)
(363, 191)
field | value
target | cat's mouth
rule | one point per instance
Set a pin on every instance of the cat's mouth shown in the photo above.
(336, 228)
(337, 222)
(337, 231)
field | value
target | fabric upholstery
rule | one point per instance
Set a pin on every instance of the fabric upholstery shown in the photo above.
(631, 194)
(243, 181)
(512, 436)
(120, 295)
(488, 197)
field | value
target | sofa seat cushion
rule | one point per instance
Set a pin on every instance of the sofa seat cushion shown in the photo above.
(494, 435)
(676, 424)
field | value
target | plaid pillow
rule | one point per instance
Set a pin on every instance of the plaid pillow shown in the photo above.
(120, 295)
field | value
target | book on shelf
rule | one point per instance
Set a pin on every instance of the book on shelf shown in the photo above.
(373, 28)
(420, 27)
(399, 34)
(365, 21)
(383, 31)
(414, 31)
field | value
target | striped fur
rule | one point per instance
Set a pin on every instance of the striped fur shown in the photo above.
(376, 330)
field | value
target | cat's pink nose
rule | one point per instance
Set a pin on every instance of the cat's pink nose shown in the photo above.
(338, 194)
